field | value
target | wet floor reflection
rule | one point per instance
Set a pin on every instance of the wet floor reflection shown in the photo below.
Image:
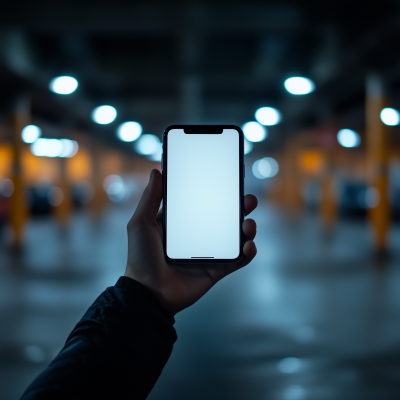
(313, 317)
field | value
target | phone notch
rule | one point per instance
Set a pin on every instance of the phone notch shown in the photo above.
(211, 129)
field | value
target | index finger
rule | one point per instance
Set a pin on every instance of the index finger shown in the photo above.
(250, 203)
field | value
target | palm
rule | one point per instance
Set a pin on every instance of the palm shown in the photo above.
(176, 286)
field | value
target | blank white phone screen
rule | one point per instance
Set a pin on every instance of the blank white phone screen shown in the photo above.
(203, 195)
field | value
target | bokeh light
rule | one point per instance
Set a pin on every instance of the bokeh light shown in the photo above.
(299, 85)
(115, 188)
(157, 155)
(104, 115)
(147, 144)
(294, 392)
(390, 116)
(265, 168)
(129, 131)
(63, 85)
(268, 116)
(69, 148)
(248, 146)
(254, 132)
(6, 187)
(289, 365)
(348, 138)
(30, 133)
(54, 148)
(47, 147)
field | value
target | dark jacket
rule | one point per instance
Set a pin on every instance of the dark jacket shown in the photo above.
(116, 351)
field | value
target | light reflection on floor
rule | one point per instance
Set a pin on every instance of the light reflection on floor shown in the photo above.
(313, 317)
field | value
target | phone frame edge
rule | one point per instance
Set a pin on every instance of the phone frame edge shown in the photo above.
(241, 190)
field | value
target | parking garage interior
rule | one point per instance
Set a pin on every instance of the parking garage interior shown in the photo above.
(87, 90)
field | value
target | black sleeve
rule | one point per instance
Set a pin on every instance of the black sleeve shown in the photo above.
(116, 351)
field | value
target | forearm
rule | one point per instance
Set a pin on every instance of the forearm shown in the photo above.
(117, 350)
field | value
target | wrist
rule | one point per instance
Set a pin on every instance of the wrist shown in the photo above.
(155, 288)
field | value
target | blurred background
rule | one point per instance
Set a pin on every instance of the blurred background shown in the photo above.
(87, 89)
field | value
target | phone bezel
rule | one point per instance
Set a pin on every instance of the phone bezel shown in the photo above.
(203, 129)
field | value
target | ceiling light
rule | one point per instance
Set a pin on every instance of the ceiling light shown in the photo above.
(267, 167)
(31, 133)
(147, 144)
(104, 115)
(129, 131)
(298, 85)
(390, 116)
(46, 147)
(63, 85)
(69, 148)
(254, 131)
(348, 138)
(268, 116)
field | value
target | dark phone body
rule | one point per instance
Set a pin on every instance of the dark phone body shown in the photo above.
(203, 129)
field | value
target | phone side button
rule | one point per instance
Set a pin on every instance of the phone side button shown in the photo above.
(162, 161)
(244, 170)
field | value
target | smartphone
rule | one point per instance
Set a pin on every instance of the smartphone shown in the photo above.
(203, 180)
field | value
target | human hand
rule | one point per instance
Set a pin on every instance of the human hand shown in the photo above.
(175, 286)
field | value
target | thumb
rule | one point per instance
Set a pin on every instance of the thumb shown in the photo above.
(150, 201)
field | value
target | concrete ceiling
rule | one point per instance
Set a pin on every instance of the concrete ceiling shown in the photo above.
(201, 62)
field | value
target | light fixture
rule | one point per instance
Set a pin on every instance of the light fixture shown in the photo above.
(390, 116)
(104, 115)
(69, 148)
(54, 148)
(299, 85)
(268, 116)
(63, 85)
(254, 132)
(348, 138)
(129, 131)
(147, 144)
(31, 133)
(46, 147)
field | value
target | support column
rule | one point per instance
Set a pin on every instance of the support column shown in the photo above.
(63, 210)
(377, 161)
(291, 187)
(100, 197)
(18, 210)
(328, 207)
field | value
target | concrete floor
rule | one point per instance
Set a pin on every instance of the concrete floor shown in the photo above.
(313, 317)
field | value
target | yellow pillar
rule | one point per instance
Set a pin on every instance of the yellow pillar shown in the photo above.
(327, 207)
(291, 178)
(63, 210)
(18, 211)
(100, 197)
(377, 156)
